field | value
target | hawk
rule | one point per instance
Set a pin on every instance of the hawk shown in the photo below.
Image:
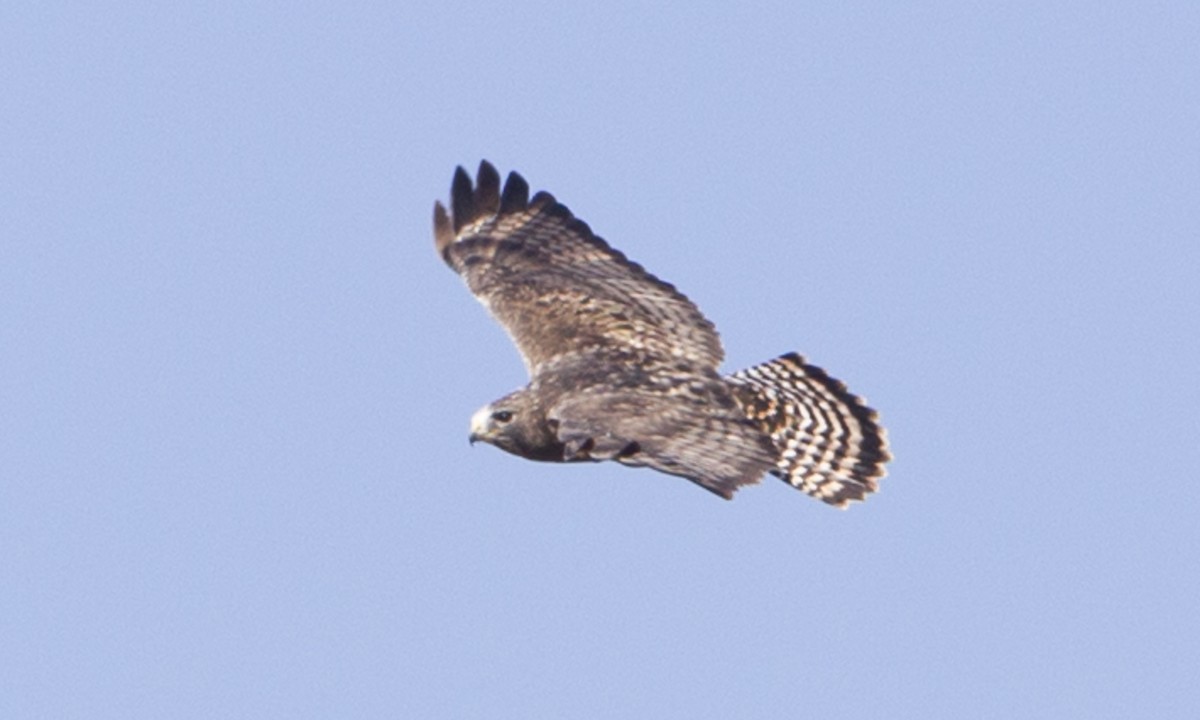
(623, 366)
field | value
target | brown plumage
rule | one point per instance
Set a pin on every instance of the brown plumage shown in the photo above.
(624, 367)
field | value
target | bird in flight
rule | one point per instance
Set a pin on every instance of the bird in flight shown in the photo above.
(623, 366)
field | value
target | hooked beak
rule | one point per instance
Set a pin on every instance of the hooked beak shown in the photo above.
(479, 424)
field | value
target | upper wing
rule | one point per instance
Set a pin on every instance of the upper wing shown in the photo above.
(554, 286)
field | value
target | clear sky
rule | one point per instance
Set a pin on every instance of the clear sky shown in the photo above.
(235, 379)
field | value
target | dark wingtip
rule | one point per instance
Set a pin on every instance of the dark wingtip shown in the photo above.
(462, 199)
(542, 199)
(469, 201)
(487, 189)
(516, 194)
(443, 230)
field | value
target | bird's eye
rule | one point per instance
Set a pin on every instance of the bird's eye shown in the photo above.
(502, 416)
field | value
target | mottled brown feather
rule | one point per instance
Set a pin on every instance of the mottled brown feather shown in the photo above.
(555, 286)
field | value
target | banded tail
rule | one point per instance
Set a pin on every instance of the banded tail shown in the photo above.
(830, 443)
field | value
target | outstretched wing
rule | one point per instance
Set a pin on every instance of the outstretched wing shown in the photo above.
(554, 286)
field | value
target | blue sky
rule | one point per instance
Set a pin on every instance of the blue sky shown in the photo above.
(235, 379)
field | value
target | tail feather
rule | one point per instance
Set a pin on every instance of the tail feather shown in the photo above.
(830, 443)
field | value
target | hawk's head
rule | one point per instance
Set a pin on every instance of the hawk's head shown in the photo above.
(516, 424)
